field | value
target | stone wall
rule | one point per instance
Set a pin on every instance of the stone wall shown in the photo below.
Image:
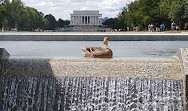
(165, 69)
(3, 56)
(94, 37)
(182, 55)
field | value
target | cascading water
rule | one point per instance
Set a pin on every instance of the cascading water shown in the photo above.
(90, 93)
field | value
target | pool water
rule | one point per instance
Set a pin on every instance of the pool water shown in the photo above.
(72, 49)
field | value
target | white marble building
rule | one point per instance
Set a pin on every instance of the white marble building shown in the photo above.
(86, 17)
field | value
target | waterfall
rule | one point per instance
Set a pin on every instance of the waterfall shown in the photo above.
(90, 93)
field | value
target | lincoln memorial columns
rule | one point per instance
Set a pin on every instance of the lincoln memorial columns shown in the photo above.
(86, 17)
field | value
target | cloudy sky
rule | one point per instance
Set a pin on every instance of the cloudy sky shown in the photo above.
(63, 8)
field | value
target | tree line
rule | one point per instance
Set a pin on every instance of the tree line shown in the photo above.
(13, 14)
(140, 13)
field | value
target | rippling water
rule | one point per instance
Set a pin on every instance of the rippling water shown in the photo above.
(72, 49)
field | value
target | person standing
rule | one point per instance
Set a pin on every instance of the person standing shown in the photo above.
(151, 28)
(127, 28)
(157, 27)
(134, 29)
(177, 28)
(185, 28)
(162, 27)
(173, 26)
(137, 29)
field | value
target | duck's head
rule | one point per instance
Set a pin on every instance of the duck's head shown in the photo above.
(106, 41)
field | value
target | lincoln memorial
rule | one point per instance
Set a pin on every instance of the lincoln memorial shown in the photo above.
(86, 17)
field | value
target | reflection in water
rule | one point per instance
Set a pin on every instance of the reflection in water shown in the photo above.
(86, 94)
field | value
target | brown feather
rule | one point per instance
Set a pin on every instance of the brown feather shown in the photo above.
(98, 52)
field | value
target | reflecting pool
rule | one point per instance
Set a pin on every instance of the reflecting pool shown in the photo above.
(72, 49)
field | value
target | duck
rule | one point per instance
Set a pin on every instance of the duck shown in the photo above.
(98, 52)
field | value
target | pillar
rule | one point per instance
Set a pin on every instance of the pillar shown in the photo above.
(76, 19)
(84, 19)
(81, 19)
(91, 20)
(94, 19)
(73, 20)
(87, 19)
(97, 19)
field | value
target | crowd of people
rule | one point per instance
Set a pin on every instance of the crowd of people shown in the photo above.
(161, 27)
(157, 27)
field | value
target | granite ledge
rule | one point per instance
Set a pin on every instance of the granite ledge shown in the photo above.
(165, 69)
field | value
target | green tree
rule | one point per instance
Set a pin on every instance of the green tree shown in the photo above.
(143, 12)
(30, 19)
(148, 12)
(112, 23)
(15, 15)
(186, 11)
(16, 7)
(5, 4)
(177, 10)
(60, 23)
(122, 19)
(1, 13)
(52, 23)
(66, 22)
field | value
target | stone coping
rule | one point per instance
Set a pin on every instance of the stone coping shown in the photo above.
(159, 69)
(92, 37)
(94, 33)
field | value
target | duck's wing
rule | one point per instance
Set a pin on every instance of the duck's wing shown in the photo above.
(103, 53)
(91, 49)
(88, 51)
(99, 53)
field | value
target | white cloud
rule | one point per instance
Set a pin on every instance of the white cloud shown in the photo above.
(63, 8)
